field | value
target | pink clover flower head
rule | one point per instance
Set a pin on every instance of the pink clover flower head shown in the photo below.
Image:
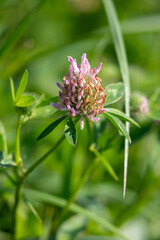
(144, 106)
(81, 93)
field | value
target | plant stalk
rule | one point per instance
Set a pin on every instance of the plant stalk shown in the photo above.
(78, 188)
(17, 152)
(44, 156)
(17, 199)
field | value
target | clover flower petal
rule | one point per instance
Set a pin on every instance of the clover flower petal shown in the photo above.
(81, 93)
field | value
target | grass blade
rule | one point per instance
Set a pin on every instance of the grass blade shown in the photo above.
(104, 162)
(60, 202)
(122, 59)
(31, 207)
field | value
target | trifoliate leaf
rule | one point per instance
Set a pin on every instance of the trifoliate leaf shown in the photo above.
(114, 92)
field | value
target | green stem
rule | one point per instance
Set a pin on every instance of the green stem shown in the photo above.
(78, 188)
(17, 199)
(44, 156)
(9, 177)
(17, 152)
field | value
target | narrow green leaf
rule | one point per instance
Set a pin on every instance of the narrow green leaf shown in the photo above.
(122, 116)
(115, 92)
(25, 101)
(50, 128)
(22, 85)
(121, 127)
(60, 202)
(3, 137)
(123, 63)
(31, 207)
(106, 164)
(70, 132)
(12, 89)
(43, 112)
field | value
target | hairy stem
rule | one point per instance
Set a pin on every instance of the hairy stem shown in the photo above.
(17, 152)
(17, 199)
(19, 180)
(78, 188)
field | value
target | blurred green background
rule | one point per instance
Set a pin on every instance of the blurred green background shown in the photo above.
(38, 36)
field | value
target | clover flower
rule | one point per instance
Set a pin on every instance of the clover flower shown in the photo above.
(82, 93)
(143, 107)
(139, 104)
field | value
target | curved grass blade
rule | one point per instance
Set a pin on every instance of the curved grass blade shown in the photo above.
(122, 116)
(114, 92)
(106, 164)
(123, 63)
(22, 86)
(60, 202)
(31, 207)
(70, 132)
(119, 125)
(50, 128)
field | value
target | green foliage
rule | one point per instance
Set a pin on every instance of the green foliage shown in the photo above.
(43, 51)
(56, 201)
(71, 228)
(119, 125)
(42, 112)
(12, 89)
(154, 105)
(122, 59)
(22, 86)
(6, 161)
(3, 138)
(70, 132)
(31, 207)
(105, 163)
(25, 101)
(122, 116)
(115, 92)
(95, 238)
(51, 127)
